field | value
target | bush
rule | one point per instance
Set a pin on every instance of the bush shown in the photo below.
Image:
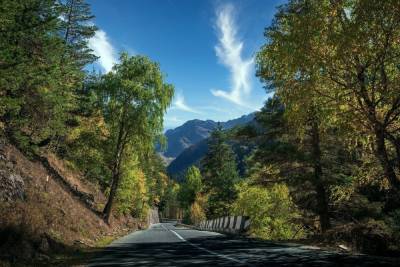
(197, 213)
(271, 211)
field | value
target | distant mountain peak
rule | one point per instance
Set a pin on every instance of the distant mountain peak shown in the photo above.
(193, 131)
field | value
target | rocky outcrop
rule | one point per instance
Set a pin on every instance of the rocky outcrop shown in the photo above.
(153, 216)
(11, 183)
(11, 186)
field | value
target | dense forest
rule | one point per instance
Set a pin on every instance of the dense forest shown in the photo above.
(325, 158)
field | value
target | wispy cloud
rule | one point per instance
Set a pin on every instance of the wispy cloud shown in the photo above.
(179, 103)
(215, 109)
(102, 48)
(172, 121)
(229, 52)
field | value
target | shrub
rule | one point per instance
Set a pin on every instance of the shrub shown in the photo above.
(197, 213)
(271, 211)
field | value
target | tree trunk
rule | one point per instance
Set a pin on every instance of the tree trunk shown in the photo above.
(322, 202)
(382, 155)
(397, 147)
(113, 191)
(396, 143)
(115, 173)
(70, 7)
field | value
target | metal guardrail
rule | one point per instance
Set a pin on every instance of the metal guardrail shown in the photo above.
(227, 224)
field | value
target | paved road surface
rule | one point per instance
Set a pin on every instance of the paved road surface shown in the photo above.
(164, 244)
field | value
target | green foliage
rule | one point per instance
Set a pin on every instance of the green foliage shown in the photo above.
(85, 147)
(132, 195)
(157, 180)
(105, 125)
(133, 99)
(76, 27)
(169, 206)
(330, 134)
(40, 69)
(335, 59)
(220, 174)
(272, 211)
(190, 187)
(189, 192)
(332, 65)
(33, 93)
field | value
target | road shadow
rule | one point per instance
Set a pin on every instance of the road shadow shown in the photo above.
(227, 251)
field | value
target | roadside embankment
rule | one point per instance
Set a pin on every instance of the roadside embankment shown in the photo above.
(47, 210)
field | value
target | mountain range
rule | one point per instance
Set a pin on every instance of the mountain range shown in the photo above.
(193, 131)
(187, 144)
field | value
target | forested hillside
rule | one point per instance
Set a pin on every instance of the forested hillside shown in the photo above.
(101, 127)
(193, 154)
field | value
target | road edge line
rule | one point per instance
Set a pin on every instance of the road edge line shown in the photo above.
(206, 250)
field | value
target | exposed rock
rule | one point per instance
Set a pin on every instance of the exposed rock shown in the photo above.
(11, 185)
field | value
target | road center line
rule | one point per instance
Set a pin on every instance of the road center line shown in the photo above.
(204, 249)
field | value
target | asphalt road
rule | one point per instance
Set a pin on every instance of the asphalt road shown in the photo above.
(164, 244)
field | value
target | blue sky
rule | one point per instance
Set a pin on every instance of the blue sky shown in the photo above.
(206, 49)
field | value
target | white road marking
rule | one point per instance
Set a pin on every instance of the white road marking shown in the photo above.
(204, 249)
(178, 235)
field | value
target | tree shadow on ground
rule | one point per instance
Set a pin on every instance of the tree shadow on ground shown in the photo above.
(225, 251)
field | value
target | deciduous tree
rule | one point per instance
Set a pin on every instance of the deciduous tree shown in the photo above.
(134, 99)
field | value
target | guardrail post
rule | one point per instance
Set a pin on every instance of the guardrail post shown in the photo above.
(231, 224)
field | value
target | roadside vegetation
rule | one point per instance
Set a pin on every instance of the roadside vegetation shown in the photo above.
(327, 156)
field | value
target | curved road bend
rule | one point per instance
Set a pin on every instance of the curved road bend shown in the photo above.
(164, 244)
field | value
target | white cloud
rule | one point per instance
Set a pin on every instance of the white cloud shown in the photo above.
(229, 53)
(102, 48)
(172, 122)
(173, 119)
(217, 109)
(179, 103)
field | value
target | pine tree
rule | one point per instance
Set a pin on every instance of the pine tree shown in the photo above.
(76, 28)
(190, 188)
(220, 174)
(33, 98)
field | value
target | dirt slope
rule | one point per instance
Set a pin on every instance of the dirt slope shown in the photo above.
(40, 214)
